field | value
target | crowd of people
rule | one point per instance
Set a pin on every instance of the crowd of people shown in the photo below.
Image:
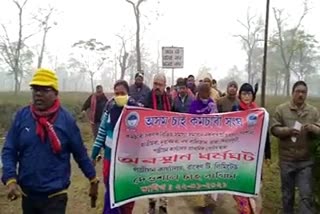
(44, 135)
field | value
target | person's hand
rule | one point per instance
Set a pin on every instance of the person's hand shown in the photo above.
(94, 162)
(294, 132)
(13, 191)
(82, 115)
(309, 128)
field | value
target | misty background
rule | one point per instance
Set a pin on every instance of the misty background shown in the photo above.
(95, 42)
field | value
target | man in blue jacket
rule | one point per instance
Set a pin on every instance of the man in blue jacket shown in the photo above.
(40, 141)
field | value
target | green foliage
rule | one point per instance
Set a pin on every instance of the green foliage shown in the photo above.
(316, 153)
(9, 104)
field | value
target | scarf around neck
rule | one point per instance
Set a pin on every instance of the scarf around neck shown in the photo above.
(164, 99)
(244, 106)
(44, 125)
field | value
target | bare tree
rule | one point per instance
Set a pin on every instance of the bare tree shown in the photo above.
(92, 57)
(11, 50)
(43, 17)
(136, 10)
(123, 57)
(250, 39)
(288, 49)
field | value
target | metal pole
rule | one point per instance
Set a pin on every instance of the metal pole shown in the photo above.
(264, 69)
(172, 76)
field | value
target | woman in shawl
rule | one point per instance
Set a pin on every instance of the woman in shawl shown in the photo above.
(203, 105)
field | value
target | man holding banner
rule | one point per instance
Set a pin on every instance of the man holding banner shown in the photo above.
(159, 100)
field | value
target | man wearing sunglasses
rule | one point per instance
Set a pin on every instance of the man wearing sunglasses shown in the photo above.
(41, 140)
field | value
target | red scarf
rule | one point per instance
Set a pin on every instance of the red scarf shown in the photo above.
(93, 105)
(244, 106)
(165, 101)
(244, 205)
(45, 120)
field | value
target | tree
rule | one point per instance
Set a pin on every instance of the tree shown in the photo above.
(204, 72)
(123, 57)
(43, 17)
(77, 72)
(275, 70)
(288, 48)
(306, 58)
(234, 74)
(93, 56)
(11, 50)
(250, 41)
(136, 10)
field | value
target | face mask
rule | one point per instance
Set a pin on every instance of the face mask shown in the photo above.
(205, 101)
(121, 100)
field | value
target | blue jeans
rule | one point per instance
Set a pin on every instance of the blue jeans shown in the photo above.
(298, 174)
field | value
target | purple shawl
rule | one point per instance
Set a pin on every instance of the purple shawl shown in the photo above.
(198, 107)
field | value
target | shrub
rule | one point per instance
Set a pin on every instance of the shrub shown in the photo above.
(316, 152)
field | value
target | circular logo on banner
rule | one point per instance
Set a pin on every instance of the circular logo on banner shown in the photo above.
(252, 119)
(132, 120)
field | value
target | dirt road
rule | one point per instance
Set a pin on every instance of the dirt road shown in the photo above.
(79, 202)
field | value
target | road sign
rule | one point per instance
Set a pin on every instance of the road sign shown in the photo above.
(172, 57)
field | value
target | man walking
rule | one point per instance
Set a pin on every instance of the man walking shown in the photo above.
(296, 124)
(96, 103)
(41, 140)
(191, 84)
(182, 102)
(138, 91)
(159, 100)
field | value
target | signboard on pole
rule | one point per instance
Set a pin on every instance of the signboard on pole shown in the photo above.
(172, 57)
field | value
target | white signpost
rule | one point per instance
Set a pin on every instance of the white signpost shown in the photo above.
(172, 57)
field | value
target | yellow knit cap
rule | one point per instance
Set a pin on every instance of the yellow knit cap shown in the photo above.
(45, 77)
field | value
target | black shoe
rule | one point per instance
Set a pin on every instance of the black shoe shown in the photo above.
(152, 208)
(163, 210)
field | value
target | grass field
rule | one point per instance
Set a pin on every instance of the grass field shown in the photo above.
(78, 199)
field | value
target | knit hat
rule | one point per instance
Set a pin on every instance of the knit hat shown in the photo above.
(181, 82)
(248, 88)
(234, 83)
(45, 77)
(138, 75)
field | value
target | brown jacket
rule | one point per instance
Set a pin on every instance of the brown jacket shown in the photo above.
(227, 104)
(285, 117)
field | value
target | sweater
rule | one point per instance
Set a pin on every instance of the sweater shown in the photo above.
(227, 104)
(139, 94)
(182, 105)
(105, 133)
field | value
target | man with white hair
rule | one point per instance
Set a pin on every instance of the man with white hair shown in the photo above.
(159, 100)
